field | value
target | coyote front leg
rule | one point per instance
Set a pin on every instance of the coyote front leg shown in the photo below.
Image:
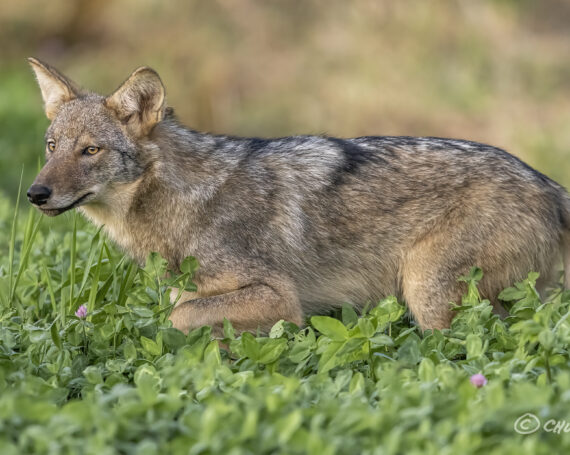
(248, 308)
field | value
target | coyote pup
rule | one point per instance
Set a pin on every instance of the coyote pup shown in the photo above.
(296, 225)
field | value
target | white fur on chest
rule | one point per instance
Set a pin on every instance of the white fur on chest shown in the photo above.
(111, 212)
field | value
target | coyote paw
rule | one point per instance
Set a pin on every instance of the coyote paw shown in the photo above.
(179, 319)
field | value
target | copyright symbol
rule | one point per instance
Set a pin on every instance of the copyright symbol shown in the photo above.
(527, 423)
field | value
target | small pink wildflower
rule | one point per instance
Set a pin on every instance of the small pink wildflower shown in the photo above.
(81, 312)
(478, 380)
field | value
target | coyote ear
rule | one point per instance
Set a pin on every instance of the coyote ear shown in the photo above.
(55, 87)
(139, 101)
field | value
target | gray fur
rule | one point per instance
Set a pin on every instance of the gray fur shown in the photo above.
(293, 226)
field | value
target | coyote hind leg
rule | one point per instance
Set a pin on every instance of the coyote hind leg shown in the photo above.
(428, 297)
(429, 279)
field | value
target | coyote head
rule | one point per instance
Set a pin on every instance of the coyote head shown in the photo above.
(94, 143)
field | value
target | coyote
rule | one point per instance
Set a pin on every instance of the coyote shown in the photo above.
(297, 225)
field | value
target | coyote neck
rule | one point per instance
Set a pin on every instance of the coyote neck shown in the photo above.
(111, 213)
(138, 216)
(183, 172)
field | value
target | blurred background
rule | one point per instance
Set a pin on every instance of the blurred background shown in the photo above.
(491, 71)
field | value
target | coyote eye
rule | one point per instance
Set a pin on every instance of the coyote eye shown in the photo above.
(91, 150)
(51, 146)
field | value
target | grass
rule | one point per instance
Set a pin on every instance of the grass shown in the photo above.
(122, 380)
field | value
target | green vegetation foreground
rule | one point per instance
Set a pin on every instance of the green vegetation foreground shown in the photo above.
(90, 364)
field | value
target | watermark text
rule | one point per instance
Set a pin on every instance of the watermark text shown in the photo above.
(529, 423)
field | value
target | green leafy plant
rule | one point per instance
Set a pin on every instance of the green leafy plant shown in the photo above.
(89, 363)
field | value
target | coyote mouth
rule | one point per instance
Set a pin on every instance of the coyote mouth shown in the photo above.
(60, 210)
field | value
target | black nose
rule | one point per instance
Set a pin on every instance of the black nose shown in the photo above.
(38, 194)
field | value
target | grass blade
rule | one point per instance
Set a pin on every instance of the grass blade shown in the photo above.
(95, 280)
(89, 265)
(32, 227)
(12, 246)
(72, 258)
(47, 279)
